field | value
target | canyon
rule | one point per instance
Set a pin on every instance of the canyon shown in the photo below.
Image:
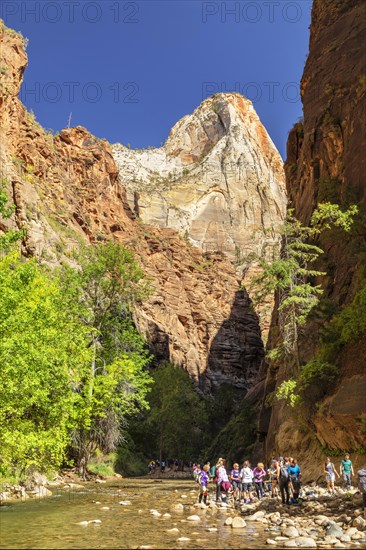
(225, 202)
(197, 210)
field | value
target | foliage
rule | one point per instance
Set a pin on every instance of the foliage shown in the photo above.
(73, 365)
(175, 425)
(103, 465)
(317, 372)
(43, 356)
(105, 287)
(286, 390)
(235, 440)
(292, 275)
(11, 236)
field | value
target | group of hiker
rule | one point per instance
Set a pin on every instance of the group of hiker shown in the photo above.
(282, 477)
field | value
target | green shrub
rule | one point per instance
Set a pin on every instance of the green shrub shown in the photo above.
(102, 465)
(317, 371)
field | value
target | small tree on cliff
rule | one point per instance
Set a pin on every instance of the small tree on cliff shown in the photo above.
(7, 236)
(292, 275)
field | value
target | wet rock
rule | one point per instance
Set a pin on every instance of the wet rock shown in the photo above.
(212, 529)
(228, 521)
(238, 523)
(167, 516)
(125, 503)
(256, 516)
(183, 539)
(333, 530)
(105, 508)
(177, 507)
(40, 492)
(98, 521)
(271, 542)
(359, 522)
(100, 481)
(174, 530)
(193, 518)
(305, 542)
(290, 532)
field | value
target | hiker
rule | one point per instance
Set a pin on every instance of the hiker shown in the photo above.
(246, 478)
(346, 471)
(283, 478)
(223, 481)
(294, 473)
(235, 480)
(272, 475)
(216, 478)
(361, 481)
(330, 473)
(196, 470)
(203, 479)
(259, 474)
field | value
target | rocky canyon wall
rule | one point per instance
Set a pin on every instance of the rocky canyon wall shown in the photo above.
(326, 162)
(68, 190)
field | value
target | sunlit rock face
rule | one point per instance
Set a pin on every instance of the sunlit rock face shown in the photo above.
(218, 180)
(68, 191)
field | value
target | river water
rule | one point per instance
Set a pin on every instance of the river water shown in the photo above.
(53, 522)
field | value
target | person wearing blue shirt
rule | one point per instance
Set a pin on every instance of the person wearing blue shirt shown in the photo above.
(294, 473)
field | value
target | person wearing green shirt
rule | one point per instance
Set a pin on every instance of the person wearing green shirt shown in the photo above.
(346, 471)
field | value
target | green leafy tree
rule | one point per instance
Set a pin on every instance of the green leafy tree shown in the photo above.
(43, 357)
(292, 276)
(176, 422)
(105, 288)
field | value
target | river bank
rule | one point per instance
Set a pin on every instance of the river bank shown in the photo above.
(155, 513)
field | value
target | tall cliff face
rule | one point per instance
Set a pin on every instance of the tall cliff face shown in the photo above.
(68, 190)
(326, 162)
(218, 180)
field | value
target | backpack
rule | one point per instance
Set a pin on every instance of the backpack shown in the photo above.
(362, 480)
(284, 473)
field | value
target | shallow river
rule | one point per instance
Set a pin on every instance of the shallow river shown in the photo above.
(53, 522)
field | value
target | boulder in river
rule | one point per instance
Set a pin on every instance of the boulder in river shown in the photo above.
(238, 523)
(290, 532)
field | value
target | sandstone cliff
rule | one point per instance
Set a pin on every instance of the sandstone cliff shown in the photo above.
(68, 190)
(326, 162)
(218, 180)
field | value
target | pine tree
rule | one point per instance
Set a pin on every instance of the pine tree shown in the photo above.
(293, 276)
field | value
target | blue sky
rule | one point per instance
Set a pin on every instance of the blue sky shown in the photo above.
(128, 70)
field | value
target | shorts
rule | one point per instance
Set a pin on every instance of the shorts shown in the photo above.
(330, 477)
(203, 490)
(236, 485)
(247, 487)
(225, 486)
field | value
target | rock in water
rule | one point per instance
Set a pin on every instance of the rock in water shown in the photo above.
(238, 523)
(305, 542)
(193, 518)
(228, 521)
(290, 532)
